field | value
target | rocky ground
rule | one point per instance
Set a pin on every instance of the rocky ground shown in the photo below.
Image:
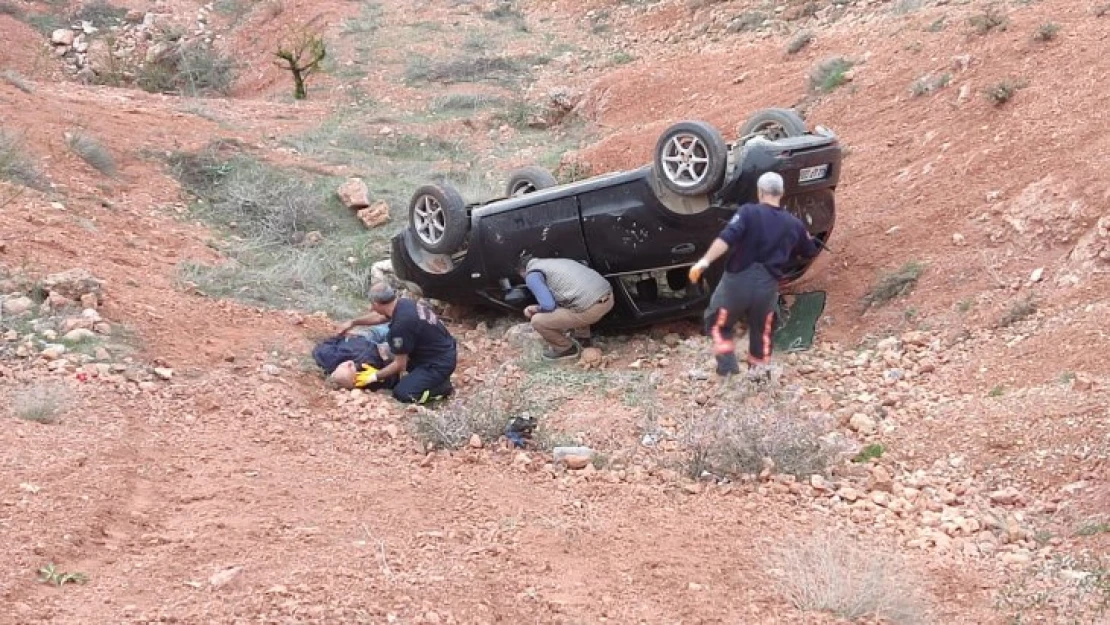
(939, 457)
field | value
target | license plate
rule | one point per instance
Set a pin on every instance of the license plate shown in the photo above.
(817, 172)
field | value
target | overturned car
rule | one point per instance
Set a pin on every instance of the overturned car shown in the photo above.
(642, 229)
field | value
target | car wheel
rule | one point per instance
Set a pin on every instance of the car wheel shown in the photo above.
(690, 158)
(773, 124)
(528, 180)
(437, 215)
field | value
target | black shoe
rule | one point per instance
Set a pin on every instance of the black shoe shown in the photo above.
(727, 364)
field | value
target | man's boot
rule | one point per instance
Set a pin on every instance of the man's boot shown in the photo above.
(727, 364)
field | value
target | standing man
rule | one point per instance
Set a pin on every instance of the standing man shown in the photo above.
(761, 239)
(421, 346)
(571, 297)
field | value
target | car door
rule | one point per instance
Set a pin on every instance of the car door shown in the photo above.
(628, 230)
(546, 225)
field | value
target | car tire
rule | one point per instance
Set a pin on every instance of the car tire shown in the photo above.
(774, 123)
(437, 216)
(690, 158)
(529, 180)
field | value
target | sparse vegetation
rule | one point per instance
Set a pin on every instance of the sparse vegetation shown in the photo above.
(484, 411)
(747, 434)
(99, 13)
(40, 402)
(903, 7)
(869, 452)
(8, 8)
(92, 152)
(830, 74)
(1046, 31)
(992, 18)
(506, 11)
(1002, 91)
(849, 579)
(929, 83)
(271, 213)
(894, 284)
(1102, 10)
(996, 391)
(937, 25)
(1066, 588)
(302, 55)
(14, 79)
(799, 41)
(466, 103)
(193, 69)
(15, 166)
(1093, 529)
(50, 574)
(747, 21)
(1018, 310)
(503, 70)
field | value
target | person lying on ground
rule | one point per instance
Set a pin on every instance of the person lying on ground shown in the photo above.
(425, 354)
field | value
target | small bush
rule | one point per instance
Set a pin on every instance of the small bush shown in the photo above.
(895, 284)
(15, 166)
(1018, 311)
(7, 8)
(484, 411)
(192, 69)
(464, 103)
(505, 11)
(747, 21)
(1002, 91)
(830, 74)
(1102, 10)
(990, 19)
(100, 14)
(92, 152)
(849, 579)
(14, 79)
(41, 402)
(801, 40)
(904, 7)
(743, 435)
(508, 71)
(929, 84)
(937, 25)
(1046, 31)
(873, 450)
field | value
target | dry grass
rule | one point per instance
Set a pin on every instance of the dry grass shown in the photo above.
(41, 402)
(800, 41)
(484, 411)
(92, 152)
(989, 20)
(929, 83)
(829, 74)
(1019, 310)
(1046, 31)
(1003, 91)
(14, 79)
(757, 428)
(842, 576)
(894, 284)
(14, 164)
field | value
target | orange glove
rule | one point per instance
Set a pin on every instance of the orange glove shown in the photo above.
(698, 269)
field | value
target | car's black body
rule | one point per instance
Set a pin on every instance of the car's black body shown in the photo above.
(627, 227)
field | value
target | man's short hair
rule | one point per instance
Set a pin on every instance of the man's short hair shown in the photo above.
(771, 184)
(382, 293)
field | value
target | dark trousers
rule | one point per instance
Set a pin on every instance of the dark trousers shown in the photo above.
(749, 297)
(425, 381)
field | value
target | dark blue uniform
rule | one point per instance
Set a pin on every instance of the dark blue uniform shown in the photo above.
(416, 331)
(762, 240)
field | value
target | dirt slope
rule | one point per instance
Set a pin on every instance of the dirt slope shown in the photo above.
(239, 489)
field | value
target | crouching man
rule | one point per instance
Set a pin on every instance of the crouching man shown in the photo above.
(424, 354)
(572, 297)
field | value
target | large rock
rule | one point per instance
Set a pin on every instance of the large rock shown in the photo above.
(382, 271)
(375, 216)
(62, 37)
(73, 284)
(520, 334)
(16, 306)
(354, 194)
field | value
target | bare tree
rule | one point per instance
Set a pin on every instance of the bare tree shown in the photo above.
(302, 55)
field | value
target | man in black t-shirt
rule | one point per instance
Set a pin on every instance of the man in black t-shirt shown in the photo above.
(420, 343)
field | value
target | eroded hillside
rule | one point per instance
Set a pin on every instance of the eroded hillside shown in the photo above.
(940, 456)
